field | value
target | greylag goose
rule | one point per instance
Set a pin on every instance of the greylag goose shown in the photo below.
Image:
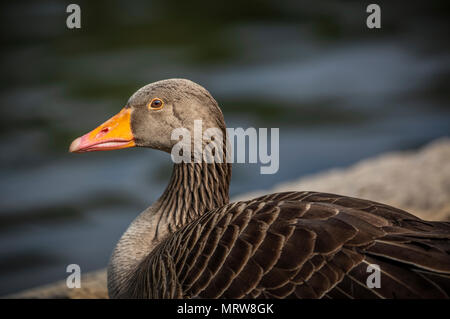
(193, 243)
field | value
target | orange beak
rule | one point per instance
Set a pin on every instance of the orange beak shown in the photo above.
(112, 135)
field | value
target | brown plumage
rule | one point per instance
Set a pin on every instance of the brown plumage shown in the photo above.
(298, 245)
(193, 243)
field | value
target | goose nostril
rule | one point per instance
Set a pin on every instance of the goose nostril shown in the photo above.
(102, 132)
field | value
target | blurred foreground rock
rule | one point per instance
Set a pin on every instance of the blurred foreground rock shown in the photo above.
(93, 286)
(416, 181)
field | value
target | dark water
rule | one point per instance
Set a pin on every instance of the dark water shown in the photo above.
(338, 92)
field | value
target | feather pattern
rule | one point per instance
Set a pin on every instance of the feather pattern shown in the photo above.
(298, 245)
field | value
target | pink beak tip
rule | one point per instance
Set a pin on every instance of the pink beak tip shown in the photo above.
(75, 146)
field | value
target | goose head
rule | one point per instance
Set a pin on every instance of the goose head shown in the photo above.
(150, 116)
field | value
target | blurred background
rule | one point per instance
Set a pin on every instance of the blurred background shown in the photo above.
(338, 91)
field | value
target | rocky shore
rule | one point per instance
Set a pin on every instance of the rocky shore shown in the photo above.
(416, 181)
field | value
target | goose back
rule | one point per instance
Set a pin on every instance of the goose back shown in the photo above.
(298, 245)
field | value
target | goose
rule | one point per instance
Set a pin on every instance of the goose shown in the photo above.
(193, 243)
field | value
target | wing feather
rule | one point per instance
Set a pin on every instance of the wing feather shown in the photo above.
(300, 245)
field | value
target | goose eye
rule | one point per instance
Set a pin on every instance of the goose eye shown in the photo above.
(156, 104)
